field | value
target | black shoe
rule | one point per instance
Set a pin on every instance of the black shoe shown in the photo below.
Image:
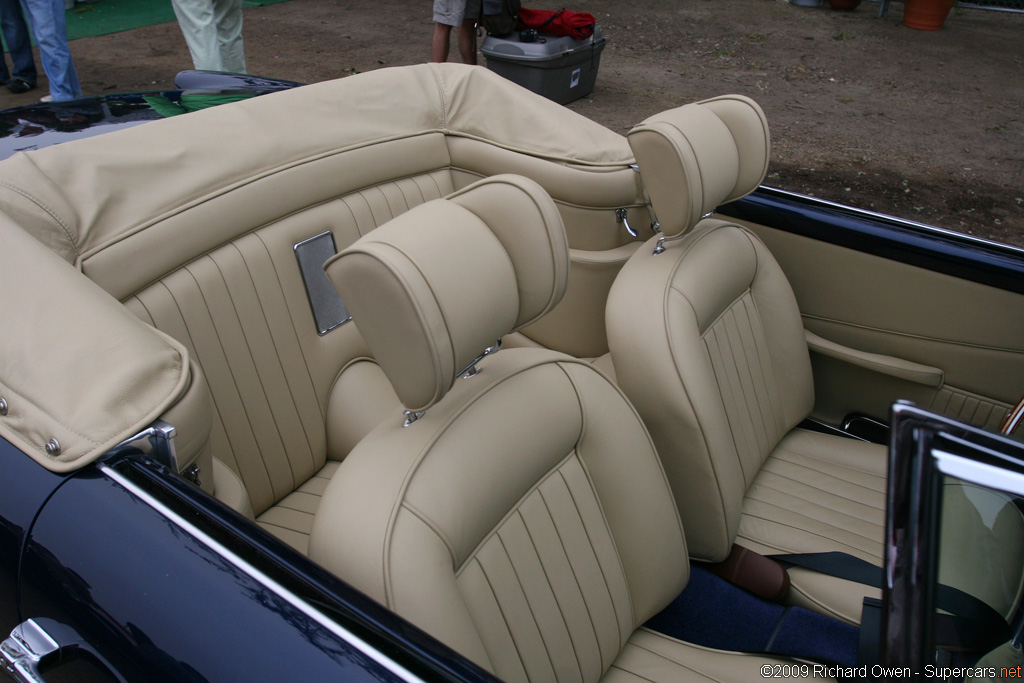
(18, 86)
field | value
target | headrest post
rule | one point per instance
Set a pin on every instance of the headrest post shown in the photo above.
(660, 246)
(472, 370)
(407, 287)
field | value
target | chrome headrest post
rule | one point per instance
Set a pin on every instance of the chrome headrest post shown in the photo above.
(411, 417)
(472, 370)
(660, 246)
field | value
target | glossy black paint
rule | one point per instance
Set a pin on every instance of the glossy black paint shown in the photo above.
(962, 256)
(406, 644)
(159, 604)
(24, 488)
(40, 125)
(221, 80)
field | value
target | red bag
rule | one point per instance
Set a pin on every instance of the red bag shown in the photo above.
(578, 25)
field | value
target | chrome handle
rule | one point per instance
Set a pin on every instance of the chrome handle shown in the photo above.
(35, 642)
(28, 645)
(620, 216)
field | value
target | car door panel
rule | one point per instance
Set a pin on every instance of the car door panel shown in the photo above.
(873, 300)
(24, 487)
(159, 603)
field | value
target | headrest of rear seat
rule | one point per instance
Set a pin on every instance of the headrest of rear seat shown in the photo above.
(433, 288)
(701, 155)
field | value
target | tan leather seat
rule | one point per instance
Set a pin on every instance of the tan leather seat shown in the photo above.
(707, 341)
(198, 236)
(519, 513)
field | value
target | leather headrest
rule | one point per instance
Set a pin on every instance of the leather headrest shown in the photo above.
(436, 286)
(699, 156)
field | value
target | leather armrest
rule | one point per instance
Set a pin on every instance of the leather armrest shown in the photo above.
(887, 365)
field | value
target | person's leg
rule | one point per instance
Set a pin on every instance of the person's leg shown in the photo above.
(441, 43)
(467, 41)
(19, 44)
(46, 19)
(447, 13)
(227, 15)
(467, 31)
(195, 17)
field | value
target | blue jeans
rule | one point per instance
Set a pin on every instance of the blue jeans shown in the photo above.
(46, 17)
(15, 30)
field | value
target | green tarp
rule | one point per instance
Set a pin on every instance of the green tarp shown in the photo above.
(110, 16)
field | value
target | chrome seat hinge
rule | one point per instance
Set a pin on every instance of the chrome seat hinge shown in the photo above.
(192, 473)
(156, 441)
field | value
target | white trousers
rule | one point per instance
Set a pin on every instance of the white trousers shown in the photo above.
(213, 32)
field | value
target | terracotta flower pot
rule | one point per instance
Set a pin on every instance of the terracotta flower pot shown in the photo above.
(926, 15)
(845, 5)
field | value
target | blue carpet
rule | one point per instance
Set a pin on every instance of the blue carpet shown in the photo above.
(714, 613)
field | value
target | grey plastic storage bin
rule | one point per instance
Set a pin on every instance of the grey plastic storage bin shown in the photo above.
(561, 68)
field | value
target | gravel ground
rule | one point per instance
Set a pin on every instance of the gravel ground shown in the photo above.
(923, 125)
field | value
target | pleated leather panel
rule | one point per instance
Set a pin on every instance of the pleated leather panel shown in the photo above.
(243, 313)
(269, 425)
(740, 357)
(652, 657)
(546, 589)
(963, 405)
(291, 520)
(818, 493)
(377, 205)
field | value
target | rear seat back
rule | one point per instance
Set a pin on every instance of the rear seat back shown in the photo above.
(192, 223)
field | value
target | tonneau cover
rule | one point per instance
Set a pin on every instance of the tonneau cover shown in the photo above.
(79, 197)
(122, 375)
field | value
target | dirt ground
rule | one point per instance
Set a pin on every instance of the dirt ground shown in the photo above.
(923, 125)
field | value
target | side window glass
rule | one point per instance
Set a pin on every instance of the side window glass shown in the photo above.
(980, 579)
(954, 566)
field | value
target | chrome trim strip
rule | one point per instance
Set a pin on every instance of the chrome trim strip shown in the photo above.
(904, 222)
(991, 476)
(294, 600)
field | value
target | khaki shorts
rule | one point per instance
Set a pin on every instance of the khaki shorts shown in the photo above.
(454, 12)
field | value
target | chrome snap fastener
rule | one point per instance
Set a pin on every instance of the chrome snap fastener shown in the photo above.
(53, 447)
(3, 407)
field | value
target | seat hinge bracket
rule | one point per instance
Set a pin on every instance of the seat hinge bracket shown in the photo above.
(156, 441)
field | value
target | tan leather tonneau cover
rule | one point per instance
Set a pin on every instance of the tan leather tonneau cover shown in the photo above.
(76, 366)
(81, 196)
